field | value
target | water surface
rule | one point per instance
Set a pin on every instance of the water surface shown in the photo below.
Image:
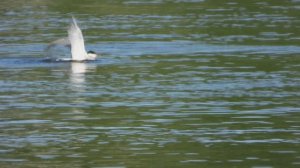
(183, 83)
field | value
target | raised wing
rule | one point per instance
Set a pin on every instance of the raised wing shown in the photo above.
(62, 41)
(77, 42)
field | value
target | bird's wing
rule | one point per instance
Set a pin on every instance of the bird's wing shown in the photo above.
(62, 41)
(77, 42)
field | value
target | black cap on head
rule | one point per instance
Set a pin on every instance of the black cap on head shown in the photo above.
(91, 52)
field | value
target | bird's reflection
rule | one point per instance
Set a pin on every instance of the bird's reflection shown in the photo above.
(77, 76)
(78, 85)
(78, 72)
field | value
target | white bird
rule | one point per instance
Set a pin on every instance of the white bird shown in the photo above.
(75, 41)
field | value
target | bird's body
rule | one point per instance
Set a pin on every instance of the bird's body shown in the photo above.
(75, 41)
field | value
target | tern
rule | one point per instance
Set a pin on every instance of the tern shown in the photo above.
(75, 41)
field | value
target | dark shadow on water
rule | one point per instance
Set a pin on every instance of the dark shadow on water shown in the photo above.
(27, 62)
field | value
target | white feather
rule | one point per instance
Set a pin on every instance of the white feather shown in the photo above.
(77, 42)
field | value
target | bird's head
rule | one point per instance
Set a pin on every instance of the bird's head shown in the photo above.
(91, 55)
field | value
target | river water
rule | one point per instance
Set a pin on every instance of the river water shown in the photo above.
(179, 83)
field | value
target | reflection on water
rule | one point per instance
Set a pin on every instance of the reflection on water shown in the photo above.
(185, 83)
(78, 86)
(77, 76)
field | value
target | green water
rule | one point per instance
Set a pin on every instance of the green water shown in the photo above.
(179, 83)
